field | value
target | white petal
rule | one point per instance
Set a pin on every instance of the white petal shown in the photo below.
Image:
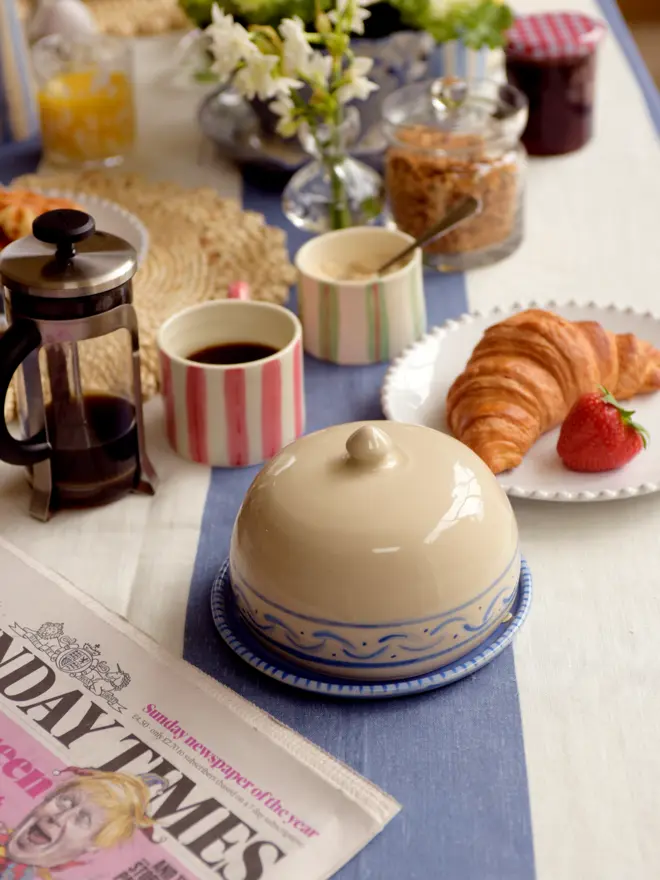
(317, 67)
(360, 66)
(219, 17)
(292, 28)
(282, 106)
(244, 84)
(363, 88)
(345, 93)
(285, 84)
(357, 23)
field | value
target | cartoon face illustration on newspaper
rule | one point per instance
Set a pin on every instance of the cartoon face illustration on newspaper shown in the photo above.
(89, 812)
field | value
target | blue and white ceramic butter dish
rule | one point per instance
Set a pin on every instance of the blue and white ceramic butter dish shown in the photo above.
(375, 552)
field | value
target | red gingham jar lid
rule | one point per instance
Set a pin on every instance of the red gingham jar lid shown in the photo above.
(554, 35)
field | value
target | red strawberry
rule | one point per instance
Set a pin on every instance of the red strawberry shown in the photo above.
(598, 434)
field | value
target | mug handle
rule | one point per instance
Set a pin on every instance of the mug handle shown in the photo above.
(16, 343)
(239, 290)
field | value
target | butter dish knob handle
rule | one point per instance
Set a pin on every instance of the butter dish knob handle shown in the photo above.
(372, 447)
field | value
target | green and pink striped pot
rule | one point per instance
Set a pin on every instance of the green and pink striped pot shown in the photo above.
(363, 321)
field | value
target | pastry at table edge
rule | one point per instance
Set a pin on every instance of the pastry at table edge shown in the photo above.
(19, 208)
(526, 373)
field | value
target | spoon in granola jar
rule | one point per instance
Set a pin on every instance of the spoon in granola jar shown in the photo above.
(461, 212)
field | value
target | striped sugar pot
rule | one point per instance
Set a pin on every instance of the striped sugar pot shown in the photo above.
(232, 414)
(349, 315)
(454, 58)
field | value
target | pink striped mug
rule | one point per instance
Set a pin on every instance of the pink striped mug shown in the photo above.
(366, 318)
(232, 415)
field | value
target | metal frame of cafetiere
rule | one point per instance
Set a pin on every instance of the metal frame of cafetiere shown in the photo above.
(64, 284)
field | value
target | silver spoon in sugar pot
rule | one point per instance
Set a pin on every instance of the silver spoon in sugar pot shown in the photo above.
(461, 212)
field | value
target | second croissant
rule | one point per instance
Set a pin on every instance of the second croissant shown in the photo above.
(527, 372)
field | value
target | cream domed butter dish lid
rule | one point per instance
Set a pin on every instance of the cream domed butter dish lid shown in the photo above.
(372, 559)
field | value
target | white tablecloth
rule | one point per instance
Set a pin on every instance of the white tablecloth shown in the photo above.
(587, 662)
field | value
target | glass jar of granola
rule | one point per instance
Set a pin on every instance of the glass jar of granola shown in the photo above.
(449, 138)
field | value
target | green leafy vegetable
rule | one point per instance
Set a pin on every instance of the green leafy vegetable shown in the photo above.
(264, 12)
(477, 23)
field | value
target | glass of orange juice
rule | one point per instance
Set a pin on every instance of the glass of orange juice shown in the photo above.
(86, 99)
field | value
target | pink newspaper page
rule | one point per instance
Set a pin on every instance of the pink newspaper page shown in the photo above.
(120, 762)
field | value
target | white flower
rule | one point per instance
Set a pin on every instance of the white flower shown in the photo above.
(353, 11)
(317, 68)
(230, 44)
(284, 85)
(219, 17)
(298, 56)
(225, 30)
(256, 79)
(283, 107)
(296, 49)
(358, 86)
(259, 78)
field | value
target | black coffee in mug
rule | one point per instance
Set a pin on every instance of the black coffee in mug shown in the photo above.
(228, 353)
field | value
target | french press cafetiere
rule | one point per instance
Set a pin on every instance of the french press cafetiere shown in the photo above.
(72, 341)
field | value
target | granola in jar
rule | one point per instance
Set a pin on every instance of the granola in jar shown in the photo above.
(438, 154)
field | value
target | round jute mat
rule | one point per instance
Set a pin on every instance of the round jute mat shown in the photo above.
(132, 18)
(127, 18)
(199, 244)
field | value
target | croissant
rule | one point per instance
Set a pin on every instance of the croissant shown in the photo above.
(19, 208)
(527, 372)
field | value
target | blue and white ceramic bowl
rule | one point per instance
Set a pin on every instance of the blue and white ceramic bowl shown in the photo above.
(374, 551)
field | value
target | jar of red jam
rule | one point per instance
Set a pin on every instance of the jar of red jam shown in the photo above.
(551, 58)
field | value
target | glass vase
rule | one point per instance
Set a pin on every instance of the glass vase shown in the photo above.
(333, 190)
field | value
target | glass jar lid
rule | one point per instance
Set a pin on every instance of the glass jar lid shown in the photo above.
(453, 115)
(66, 258)
(554, 35)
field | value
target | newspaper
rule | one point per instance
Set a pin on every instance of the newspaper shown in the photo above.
(120, 762)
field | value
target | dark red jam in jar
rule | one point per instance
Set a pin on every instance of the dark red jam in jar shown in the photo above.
(551, 58)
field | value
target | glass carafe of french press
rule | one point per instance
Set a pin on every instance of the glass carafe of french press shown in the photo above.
(72, 343)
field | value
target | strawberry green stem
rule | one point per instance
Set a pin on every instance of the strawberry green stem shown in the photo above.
(626, 414)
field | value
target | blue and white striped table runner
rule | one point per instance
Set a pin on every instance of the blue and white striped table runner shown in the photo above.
(544, 764)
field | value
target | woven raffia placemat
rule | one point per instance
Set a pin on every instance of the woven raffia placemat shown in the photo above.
(199, 244)
(128, 18)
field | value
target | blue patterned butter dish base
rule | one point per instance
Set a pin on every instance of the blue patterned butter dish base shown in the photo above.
(239, 638)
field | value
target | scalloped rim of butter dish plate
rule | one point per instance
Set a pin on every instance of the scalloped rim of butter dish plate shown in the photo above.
(416, 385)
(240, 640)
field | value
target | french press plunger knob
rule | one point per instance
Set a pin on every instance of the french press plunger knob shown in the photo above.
(73, 343)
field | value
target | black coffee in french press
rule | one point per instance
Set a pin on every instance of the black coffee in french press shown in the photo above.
(72, 343)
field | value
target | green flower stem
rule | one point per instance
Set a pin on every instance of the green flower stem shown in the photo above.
(331, 152)
(340, 216)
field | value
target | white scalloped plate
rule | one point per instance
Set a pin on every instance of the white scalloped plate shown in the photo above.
(109, 217)
(416, 385)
